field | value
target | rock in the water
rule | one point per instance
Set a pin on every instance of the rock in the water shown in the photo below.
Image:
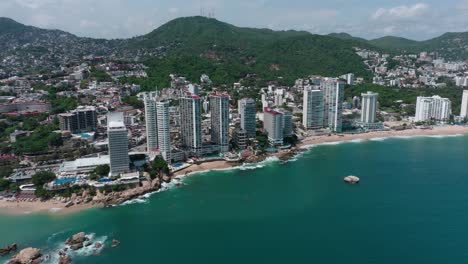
(76, 246)
(98, 245)
(64, 259)
(8, 250)
(115, 243)
(27, 256)
(352, 179)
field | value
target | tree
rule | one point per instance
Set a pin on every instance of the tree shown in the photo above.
(43, 177)
(102, 170)
(159, 166)
(4, 184)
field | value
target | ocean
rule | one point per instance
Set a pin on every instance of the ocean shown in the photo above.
(411, 206)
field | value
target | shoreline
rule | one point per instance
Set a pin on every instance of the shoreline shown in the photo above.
(55, 208)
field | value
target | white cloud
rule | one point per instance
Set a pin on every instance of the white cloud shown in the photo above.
(33, 4)
(402, 12)
(173, 10)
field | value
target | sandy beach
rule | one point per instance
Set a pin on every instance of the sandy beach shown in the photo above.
(436, 131)
(48, 207)
(57, 208)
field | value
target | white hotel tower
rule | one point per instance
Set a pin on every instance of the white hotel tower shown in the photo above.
(432, 108)
(118, 144)
(313, 108)
(164, 130)
(464, 105)
(369, 107)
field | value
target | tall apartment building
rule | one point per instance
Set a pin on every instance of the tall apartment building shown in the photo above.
(118, 144)
(191, 123)
(464, 105)
(369, 107)
(164, 130)
(287, 124)
(220, 121)
(151, 123)
(273, 125)
(333, 99)
(433, 108)
(248, 112)
(313, 109)
(349, 78)
(83, 119)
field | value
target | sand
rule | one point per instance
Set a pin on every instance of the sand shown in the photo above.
(436, 131)
(48, 207)
(57, 208)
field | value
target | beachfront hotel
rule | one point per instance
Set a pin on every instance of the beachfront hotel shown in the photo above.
(273, 125)
(191, 123)
(432, 108)
(247, 111)
(333, 100)
(313, 109)
(369, 107)
(219, 104)
(464, 105)
(151, 123)
(164, 130)
(118, 144)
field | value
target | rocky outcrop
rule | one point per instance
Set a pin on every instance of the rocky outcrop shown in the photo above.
(8, 250)
(64, 258)
(27, 256)
(120, 197)
(115, 243)
(77, 241)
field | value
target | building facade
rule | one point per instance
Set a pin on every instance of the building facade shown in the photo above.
(273, 126)
(464, 105)
(83, 119)
(118, 144)
(151, 123)
(248, 112)
(433, 108)
(164, 130)
(191, 123)
(313, 109)
(333, 100)
(369, 107)
(220, 121)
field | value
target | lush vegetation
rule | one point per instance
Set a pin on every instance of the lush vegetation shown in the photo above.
(41, 139)
(133, 101)
(227, 53)
(158, 167)
(100, 172)
(100, 75)
(43, 177)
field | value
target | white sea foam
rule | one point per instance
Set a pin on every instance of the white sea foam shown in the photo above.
(51, 255)
(55, 210)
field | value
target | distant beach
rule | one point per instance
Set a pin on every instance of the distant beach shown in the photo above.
(58, 208)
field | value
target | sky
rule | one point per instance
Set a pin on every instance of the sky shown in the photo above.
(417, 20)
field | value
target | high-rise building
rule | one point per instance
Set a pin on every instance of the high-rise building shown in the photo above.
(273, 125)
(287, 124)
(191, 123)
(433, 108)
(83, 119)
(464, 105)
(313, 109)
(369, 107)
(333, 98)
(151, 123)
(349, 78)
(164, 130)
(220, 121)
(118, 144)
(248, 112)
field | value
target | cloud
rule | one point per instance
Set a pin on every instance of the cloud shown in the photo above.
(402, 12)
(173, 10)
(33, 4)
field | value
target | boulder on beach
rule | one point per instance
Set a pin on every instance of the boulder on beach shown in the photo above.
(27, 256)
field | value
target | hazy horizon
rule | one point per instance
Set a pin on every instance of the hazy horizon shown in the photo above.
(418, 20)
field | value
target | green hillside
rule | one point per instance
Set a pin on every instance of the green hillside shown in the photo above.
(228, 53)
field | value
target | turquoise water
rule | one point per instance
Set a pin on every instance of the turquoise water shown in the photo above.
(410, 207)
